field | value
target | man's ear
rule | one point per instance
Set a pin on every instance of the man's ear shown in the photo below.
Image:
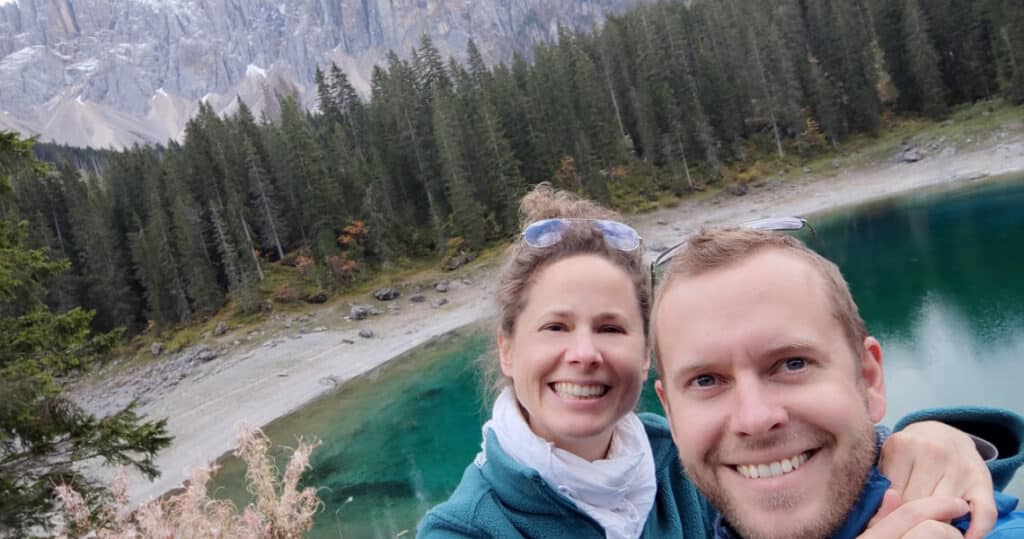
(505, 354)
(647, 363)
(873, 378)
(660, 390)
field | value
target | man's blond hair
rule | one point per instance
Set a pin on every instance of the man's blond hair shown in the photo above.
(713, 249)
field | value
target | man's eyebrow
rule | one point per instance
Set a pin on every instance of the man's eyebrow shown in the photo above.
(791, 349)
(681, 375)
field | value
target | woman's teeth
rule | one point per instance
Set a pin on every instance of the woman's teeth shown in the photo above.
(568, 390)
(773, 469)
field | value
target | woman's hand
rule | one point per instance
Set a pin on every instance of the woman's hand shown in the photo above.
(929, 459)
(924, 518)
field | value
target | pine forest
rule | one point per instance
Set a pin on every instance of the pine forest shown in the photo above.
(656, 103)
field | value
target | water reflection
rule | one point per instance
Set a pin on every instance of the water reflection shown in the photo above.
(937, 278)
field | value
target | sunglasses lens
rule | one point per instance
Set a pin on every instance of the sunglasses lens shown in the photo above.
(618, 235)
(776, 223)
(544, 233)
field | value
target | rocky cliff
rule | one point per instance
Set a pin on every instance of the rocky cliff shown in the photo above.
(115, 72)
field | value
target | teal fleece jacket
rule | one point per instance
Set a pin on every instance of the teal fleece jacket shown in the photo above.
(504, 499)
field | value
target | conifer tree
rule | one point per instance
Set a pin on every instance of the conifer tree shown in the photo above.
(43, 435)
(923, 61)
(467, 214)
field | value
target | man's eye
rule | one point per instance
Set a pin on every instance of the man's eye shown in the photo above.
(611, 329)
(554, 327)
(794, 364)
(704, 380)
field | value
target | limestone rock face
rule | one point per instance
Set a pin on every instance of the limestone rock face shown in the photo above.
(114, 72)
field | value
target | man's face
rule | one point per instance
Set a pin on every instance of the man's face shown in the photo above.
(771, 409)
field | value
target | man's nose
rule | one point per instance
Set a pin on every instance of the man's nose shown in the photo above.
(757, 410)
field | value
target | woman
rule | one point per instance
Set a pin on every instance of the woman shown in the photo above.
(563, 454)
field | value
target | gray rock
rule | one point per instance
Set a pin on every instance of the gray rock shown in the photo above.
(205, 354)
(737, 189)
(467, 281)
(441, 286)
(347, 341)
(417, 298)
(437, 303)
(836, 163)
(360, 312)
(220, 329)
(394, 308)
(156, 348)
(366, 333)
(911, 155)
(319, 329)
(387, 294)
(458, 261)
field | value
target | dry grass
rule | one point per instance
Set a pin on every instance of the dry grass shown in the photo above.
(280, 509)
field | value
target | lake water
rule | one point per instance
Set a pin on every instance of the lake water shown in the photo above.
(937, 275)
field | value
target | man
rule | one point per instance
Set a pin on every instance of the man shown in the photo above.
(772, 387)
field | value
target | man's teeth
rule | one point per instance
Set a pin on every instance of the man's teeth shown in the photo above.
(772, 469)
(568, 390)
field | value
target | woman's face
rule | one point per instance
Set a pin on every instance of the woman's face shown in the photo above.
(577, 355)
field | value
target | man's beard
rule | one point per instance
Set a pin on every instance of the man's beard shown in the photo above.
(846, 480)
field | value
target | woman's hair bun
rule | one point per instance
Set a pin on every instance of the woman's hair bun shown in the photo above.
(546, 202)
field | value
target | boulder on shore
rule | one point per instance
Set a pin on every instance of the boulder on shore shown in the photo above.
(360, 312)
(366, 333)
(220, 329)
(386, 294)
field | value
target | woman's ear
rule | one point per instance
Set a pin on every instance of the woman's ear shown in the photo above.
(505, 354)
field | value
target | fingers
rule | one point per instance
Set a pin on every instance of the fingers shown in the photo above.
(890, 502)
(932, 459)
(933, 529)
(983, 513)
(916, 461)
(904, 521)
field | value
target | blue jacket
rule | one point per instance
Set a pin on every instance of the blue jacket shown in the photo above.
(503, 499)
(1005, 429)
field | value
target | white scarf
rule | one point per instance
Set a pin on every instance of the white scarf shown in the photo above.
(618, 491)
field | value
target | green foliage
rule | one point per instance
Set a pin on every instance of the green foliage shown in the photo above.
(43, 435)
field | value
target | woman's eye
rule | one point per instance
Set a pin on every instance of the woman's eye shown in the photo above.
(554, 327)
(611, 329)
(794, 364)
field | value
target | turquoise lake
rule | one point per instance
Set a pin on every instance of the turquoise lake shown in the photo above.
(937, 275)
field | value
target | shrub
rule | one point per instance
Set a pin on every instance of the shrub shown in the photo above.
(279, 511)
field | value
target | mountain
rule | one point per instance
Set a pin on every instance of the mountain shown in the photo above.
(111, 73)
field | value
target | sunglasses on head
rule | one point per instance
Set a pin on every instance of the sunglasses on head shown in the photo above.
(769, 223)
(547, 232)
